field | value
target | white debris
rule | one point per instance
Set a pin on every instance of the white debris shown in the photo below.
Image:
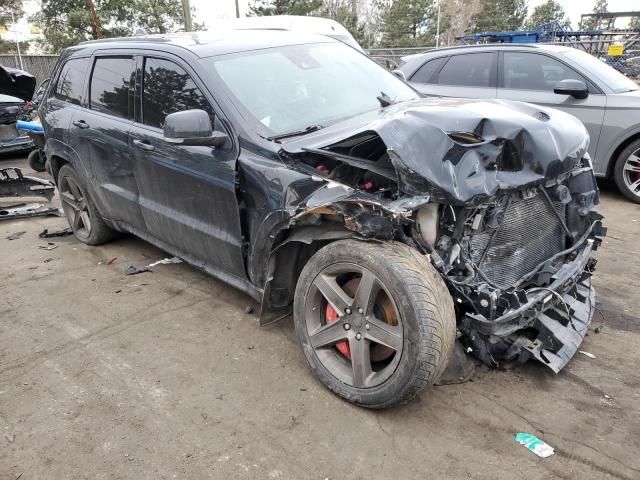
(590, 355)
(165, 261)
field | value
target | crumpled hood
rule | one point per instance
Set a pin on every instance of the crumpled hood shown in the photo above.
(516, 144)
(17, 83)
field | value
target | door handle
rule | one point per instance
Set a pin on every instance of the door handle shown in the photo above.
(147, 147)
(81, 124)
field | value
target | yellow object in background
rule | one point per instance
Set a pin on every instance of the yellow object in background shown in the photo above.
(615, 50)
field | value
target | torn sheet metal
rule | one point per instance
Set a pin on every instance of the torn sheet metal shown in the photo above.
(14, 184)
(516, 145)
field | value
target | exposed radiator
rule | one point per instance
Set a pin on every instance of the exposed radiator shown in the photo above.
(530, 234)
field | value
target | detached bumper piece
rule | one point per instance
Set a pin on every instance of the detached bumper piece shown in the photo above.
(15, 185)
(559, 336)
(549, 327)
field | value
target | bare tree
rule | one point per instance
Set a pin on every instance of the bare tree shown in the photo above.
(460, 14)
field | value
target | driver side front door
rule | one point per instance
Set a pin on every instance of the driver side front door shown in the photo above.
(187, 193)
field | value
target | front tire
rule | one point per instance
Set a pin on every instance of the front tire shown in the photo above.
(375, 321)
(82, 215)
(627, 172)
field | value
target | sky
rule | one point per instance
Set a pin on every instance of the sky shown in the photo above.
(208, 11)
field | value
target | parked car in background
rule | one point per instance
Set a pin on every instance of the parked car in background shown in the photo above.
(16, 92)
(331, 189)
(293, 23)
(604, 100)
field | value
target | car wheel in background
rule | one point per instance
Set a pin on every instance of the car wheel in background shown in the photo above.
(627, 172)
(82, 215)
(36, 161)
(375, 321)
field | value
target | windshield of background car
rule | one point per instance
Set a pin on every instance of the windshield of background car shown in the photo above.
(289, 88)
(614, 79)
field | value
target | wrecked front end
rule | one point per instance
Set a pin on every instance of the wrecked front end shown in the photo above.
(499, 195)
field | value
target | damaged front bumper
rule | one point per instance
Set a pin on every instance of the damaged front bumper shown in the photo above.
(549, 327)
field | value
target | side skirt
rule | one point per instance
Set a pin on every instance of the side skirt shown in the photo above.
(239, 283)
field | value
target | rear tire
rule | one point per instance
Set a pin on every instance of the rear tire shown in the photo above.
(626, 172)
(83, 217)
(407, 286)
(36, 160)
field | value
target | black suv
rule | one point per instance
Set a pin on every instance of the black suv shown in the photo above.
(299, 171)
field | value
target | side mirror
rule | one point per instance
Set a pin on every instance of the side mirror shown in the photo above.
(400, 74)
(192, 127)
(576, 88)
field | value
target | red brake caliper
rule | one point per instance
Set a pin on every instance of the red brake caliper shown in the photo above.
(343, 346)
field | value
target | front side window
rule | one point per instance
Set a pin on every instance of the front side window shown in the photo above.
(289, 88)
(530, 71)
(469, 70)
(71, 81)
(613, 78)
(112, 80)
(166, 89)
(427, 72)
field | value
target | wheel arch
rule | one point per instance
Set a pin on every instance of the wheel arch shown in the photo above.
(288, 258)
(56, 162)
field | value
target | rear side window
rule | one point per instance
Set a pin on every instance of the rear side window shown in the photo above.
(166, 89)
(112, 81)
(71, 81)
(469, 70)
(427, 72)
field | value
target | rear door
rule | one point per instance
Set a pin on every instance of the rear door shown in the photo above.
(468, 75)
(531, 77)
(187, 194)
(66, 97)
(99, 132)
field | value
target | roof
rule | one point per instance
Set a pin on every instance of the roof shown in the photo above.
(541, 46)
(207, 43)
(488, 46)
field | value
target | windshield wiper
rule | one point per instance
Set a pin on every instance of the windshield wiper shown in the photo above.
(385, 100)
(309, 129)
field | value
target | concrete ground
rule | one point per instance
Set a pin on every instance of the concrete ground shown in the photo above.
(163, 375)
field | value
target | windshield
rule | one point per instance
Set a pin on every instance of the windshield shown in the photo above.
(287, 89)
(614, 79)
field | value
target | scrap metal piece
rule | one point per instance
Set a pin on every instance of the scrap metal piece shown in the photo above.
(14, 184)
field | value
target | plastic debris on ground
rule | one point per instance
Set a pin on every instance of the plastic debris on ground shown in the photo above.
(534, 444)
(15, 236)
(165, 261)
(587, 354)
(133, 270)
(48, 246)
(56, 233)
(25, 210)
